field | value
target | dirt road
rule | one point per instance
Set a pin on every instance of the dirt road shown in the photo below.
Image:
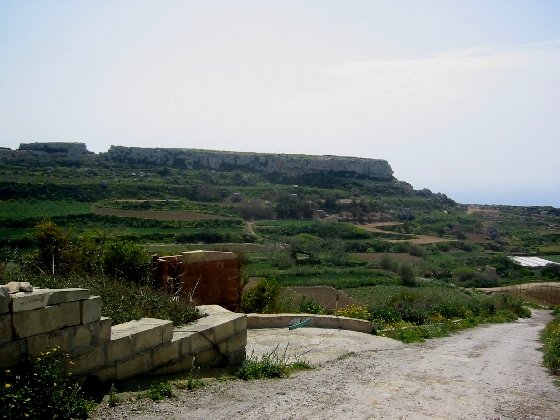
(489, 372)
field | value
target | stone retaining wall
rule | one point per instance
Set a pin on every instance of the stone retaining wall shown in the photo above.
(36, 321)
(255, 321)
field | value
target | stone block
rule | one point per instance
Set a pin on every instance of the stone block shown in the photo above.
(41, 343)
(90, 361)
(140, 363)
(71, 314)
(90, 309)
(5, 299)
(37, 321)
(108, 374)
(102, 331)
(5, 328)
(28, 301)
(165, 353)
(144, 333)
(240, 324)
(19, 286)
(12, 352)
(237, 357)
(183, 365)
(120, 347)
(199, 342)
(223, 328)
(208, 358)
(237, 342)
(67, 295)
(80, 338)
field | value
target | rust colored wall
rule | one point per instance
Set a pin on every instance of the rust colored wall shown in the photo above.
(205, 277)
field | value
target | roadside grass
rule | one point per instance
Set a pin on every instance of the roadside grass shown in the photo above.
(550, 337)
(433, 309)
(270, 365)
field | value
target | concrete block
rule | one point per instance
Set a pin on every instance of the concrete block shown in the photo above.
(90, 361)
(41, 343)
(71, 314)
(140, 363)
(165, 326)
(37, 321)
(183, 365)
(165, 353)
(12, 353)
(5, 299)
(212, 309)
(102, 331)
(5, 328)
(184, 339)
(90, 309)
(67, 295)
(28, 301)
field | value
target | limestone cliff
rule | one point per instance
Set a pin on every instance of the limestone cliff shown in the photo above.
(282, 164)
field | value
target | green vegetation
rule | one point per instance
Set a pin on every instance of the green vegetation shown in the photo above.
(159, 390)
(42, 389)
(550, 337)
(270, 365)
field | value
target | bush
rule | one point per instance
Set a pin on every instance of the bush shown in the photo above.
(354, 311)
(309, 306)
(550, 337)
(408, 277)
(261, 298)
(127, 261)
(42, 389)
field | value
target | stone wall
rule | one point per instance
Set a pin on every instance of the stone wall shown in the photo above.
(33, 322)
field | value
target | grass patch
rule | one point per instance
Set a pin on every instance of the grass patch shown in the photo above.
(159, 390)
(270, 365)
(550, 337)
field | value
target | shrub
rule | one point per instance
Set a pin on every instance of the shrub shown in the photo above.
(309, 306)
(54, 253)
(127, 261)
(354, 311)
(159, 390)
(408, 277)
(261, 298)
(42, 389)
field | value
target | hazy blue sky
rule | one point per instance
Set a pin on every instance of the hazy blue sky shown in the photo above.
(461, 97)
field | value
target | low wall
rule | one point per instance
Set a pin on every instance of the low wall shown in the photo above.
(36, 321)
(255, 321)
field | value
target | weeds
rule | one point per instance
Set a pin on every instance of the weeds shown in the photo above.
(159, 390)
(550, 337)
(270, 365)
(42, 389)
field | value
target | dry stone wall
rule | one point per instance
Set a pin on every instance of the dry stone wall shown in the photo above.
(32, 322)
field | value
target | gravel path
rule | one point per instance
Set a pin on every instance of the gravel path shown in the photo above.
(488, 372)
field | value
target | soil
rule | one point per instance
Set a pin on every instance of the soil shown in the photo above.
(489, 372)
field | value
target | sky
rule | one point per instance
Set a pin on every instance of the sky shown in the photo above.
(461, 97)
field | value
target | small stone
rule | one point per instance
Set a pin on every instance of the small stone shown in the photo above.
(19, 286)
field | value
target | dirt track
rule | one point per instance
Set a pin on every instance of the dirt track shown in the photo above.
(485, 373)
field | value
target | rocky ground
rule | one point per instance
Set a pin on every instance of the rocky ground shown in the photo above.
(488, 372)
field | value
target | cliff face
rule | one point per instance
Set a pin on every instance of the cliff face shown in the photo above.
(289, 165)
